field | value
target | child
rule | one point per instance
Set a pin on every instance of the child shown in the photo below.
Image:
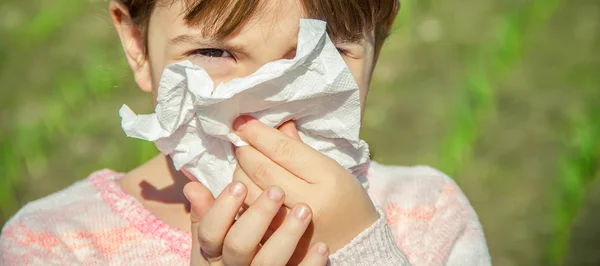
(290, 213)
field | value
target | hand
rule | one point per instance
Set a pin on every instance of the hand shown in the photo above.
(342, 208)
(218, 239)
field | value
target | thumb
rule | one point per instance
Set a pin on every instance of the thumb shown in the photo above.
(289, 128)
(200, 200)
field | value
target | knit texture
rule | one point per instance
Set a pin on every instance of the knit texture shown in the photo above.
(425, 220)
(373, 246)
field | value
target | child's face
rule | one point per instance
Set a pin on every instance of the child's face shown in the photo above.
(271, 34)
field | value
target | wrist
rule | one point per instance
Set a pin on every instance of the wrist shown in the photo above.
(373, 246)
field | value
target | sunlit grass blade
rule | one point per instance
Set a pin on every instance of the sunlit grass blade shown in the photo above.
(579, 165)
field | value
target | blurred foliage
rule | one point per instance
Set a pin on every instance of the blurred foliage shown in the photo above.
(503, 96)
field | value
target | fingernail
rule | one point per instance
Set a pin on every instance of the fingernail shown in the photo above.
(239, 123)
(301, 212)
(322, 249)
(236, 189)
(275, 194)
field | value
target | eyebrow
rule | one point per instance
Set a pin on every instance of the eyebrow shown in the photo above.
(206, 42)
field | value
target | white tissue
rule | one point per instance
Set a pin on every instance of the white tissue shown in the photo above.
(193, 122)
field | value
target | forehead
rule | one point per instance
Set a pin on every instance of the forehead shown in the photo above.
(347, 20)
(221, 18)
(270, 30)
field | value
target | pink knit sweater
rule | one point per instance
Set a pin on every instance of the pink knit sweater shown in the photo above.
(425, 220)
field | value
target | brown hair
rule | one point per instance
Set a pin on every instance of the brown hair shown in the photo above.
(346, 19)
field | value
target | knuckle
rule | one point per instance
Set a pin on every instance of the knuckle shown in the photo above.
(282, 148)
(261, 172)
(319, 214)
(235, 247)
(206, 237)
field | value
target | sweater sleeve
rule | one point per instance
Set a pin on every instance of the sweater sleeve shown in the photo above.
(374, 246)
(469, 249)
(431, 219)
(24, 243)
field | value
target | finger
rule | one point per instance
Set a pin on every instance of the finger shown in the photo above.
(317, 255)
(275, 223)
(279, 217)
(200, 200)
(282, 244)
(253, 190)
(265, 173)
(241, 242)
(293, 155)
(267, 235)
(241, 211)
(216, 222)
(289, 128)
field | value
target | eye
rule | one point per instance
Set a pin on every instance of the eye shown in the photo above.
(220, 64)
(342, 47)
(211, 52)
(349, 49)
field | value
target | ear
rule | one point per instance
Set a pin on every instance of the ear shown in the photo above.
(133, 44)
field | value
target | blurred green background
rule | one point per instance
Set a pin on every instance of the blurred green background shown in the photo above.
(504, 96)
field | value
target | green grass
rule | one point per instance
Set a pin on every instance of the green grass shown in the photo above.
(488, 66)
(504, 98)
(579, 164)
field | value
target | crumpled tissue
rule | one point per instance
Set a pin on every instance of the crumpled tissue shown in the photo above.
(193, 118)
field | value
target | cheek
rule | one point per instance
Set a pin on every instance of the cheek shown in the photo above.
(156, 59)
(156, 70)
(361, 70)
(156, 73)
